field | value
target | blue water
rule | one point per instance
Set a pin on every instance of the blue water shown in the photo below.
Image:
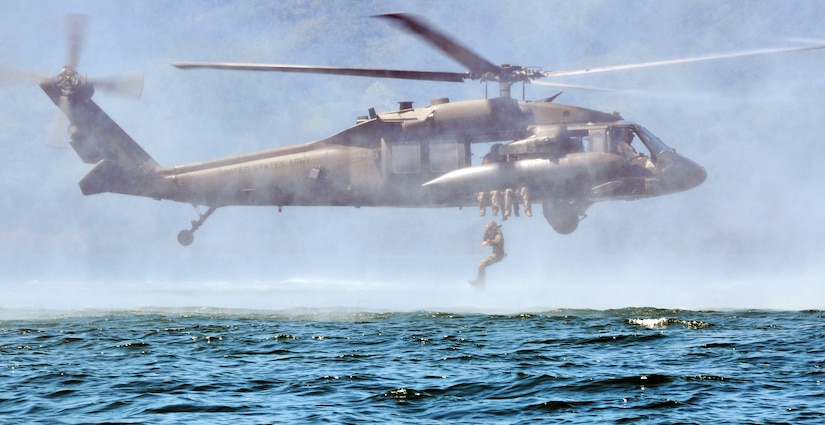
(332, 366)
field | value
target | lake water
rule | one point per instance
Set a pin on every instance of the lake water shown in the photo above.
(200, 365)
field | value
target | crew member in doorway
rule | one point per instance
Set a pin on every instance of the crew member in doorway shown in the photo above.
(494, 239)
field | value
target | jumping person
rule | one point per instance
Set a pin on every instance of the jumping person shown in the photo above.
(494, 239)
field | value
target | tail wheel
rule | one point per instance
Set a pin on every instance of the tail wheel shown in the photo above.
(186, 237)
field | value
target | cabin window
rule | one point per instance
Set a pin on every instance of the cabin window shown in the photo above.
(446, 156)
(406, 158)
(596, 142)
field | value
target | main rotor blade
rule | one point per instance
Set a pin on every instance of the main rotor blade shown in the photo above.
(473, 61)
(75, 30)
(683, 60)
(455, 77)
(570, 86)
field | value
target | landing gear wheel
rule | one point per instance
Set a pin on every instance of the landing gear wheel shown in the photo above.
(562, 216)
(186, 237)
(564, 224)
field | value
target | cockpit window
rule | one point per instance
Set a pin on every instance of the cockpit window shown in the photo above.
(626, 139)
(653, 143)
(622, 140)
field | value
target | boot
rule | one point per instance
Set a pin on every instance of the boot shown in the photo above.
(476, 283)
(479, 282)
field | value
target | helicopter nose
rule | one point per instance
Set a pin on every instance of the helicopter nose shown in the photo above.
(679, 173)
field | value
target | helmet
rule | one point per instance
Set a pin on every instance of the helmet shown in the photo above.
(622, 132)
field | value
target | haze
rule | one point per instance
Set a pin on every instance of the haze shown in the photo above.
(749, 237)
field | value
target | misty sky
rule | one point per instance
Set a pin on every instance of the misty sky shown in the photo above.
(749, 237)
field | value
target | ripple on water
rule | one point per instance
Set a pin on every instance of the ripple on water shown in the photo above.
(570, 366)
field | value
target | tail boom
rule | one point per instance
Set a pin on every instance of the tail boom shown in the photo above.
(121, 165)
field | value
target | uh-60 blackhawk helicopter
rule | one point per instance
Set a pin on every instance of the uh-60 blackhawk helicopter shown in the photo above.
(567, 157)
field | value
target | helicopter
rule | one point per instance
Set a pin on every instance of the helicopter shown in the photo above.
(566, 157)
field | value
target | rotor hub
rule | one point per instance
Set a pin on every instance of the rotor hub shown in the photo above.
(68, 81)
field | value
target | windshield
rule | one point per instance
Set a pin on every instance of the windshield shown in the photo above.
(652, 142)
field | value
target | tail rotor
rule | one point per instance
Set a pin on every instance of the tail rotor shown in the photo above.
(70, 85)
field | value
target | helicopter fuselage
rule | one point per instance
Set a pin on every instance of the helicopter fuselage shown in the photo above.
(565, 157)
(414, 157)
(421, 158)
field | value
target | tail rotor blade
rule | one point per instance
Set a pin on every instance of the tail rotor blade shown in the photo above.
(75, 30)
(130, 86)
(58, 136)
(11, 76)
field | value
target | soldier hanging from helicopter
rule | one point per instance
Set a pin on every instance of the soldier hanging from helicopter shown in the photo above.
(494, 195)
(511, 195)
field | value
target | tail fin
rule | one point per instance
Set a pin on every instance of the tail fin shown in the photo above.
(121, 165)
